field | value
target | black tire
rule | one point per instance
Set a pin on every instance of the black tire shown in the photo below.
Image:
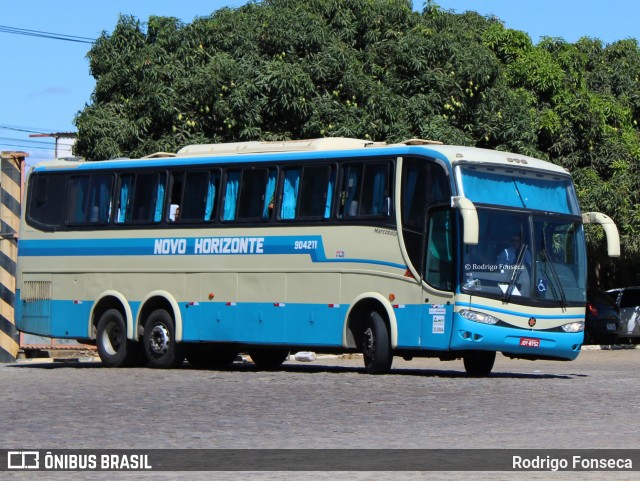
(159, 341)
(114, 348)
(265, 358)
(210, 356)
(479, 363)
(376, 347)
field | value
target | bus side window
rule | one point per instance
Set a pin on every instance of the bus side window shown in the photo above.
(78, 199)
(307, 192)
(350, 195)
(100, 198)
(290, 187)
(375, 191)
(210, 202)
(46, 194)
(366, 190)
(439, 258)
(199, 198)
(231, 195)
(176, 187)
(124, 199)
(257, 189)
(316, 192)
(141, 198)
(89, 199)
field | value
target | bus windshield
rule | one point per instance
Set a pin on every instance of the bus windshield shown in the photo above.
(522, 257)
(519, 188)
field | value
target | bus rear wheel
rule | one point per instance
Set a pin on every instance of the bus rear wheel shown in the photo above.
(265, 358)
(114, 348)
(210, 356)
(479, 363)
(159, 341)
(376, 347)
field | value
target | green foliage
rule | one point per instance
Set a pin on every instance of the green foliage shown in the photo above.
(375, 69)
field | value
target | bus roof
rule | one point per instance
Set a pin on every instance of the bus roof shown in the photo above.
(256, 151)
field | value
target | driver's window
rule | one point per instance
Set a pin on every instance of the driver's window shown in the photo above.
(439, 258)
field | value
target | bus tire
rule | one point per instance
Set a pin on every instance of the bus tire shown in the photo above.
(159, 341)
(265, 358)
(376, 348)
(210, 357)
(114, 348)
(479, 363)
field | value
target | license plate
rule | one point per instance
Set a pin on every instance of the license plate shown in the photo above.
(529, 342)
(611, 326)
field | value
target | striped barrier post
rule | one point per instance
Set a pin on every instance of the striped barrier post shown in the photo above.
(11, 164)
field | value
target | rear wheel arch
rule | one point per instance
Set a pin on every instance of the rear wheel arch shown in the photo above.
(159, 300)
(111, 300)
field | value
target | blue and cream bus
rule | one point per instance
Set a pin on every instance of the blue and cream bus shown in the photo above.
(331, 245)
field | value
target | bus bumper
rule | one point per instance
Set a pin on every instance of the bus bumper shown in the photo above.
(515, 342)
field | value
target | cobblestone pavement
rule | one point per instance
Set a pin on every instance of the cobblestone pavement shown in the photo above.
(329, 403)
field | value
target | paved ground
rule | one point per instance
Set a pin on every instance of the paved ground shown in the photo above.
(330, 403)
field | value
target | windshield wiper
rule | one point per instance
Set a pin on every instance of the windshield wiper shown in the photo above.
(556, 278)
(516, 272)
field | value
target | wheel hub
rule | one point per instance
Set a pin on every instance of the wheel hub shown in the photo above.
(111, 339)
(159, 339)
(368, 343)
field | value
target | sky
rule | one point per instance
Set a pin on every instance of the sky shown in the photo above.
(45, 82)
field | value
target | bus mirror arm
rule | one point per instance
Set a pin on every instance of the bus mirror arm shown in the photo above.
(469, 218)
(610, 230)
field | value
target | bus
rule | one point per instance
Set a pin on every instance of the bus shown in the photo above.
(331, 245)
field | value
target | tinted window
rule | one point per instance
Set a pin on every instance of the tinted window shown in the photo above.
(366, 190)
(89, 199)
(630, 298)
(193, 196)
(47, 195)
(249, 194)
(307, 192)
(140, 198)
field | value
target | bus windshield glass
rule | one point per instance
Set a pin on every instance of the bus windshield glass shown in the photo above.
(521, 257)
(519, 188)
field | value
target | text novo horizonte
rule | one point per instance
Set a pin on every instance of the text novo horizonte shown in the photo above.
(209, 245)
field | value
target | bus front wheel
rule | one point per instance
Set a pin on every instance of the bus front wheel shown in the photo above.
(114, 348)
(376, 348)
(159, 341)
(479, 363)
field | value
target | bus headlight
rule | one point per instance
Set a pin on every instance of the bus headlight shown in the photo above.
(573, 327)
(478, 316)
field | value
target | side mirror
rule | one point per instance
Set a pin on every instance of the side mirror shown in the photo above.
(610, 230)
(469, 218)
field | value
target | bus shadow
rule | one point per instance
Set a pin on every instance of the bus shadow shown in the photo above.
(304, 369)
(324, 369)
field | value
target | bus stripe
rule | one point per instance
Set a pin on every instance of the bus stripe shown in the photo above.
(520, 314)
(274, 245)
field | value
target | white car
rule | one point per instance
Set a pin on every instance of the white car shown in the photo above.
(628, 300)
